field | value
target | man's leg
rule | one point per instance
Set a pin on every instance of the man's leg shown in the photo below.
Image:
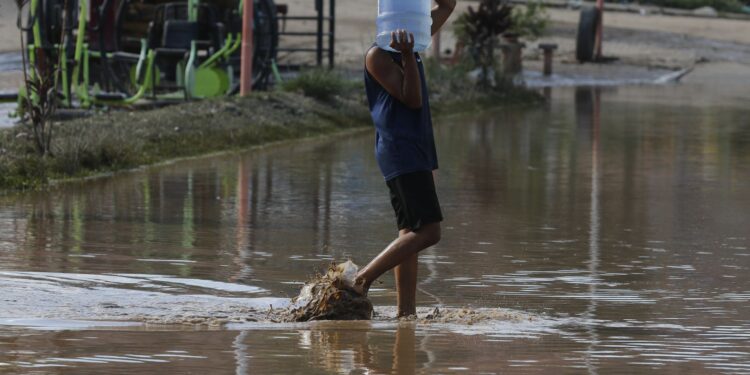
(406, 285)
(407, 245)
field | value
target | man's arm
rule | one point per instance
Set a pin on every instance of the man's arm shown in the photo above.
(440, 13)
(402, 82)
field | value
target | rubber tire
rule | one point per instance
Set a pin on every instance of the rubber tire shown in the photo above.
(586, 37)
(265, 41)
(265, 45)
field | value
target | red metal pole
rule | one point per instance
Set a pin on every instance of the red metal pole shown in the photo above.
(246, 55)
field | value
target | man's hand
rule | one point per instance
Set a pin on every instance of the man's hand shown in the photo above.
(402, 42)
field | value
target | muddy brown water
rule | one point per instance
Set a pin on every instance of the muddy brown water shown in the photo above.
(606, 232)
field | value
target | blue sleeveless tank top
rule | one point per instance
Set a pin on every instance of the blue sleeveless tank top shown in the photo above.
(404, 142)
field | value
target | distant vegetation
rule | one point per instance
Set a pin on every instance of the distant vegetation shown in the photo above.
(719, 5)
(529, 21)
(320, 84)
(478, 32)
(451, 91)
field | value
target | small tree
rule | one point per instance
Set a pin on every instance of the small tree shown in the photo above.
(39, 102)
(479, 31)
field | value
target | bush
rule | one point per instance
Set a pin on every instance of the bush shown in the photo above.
(479, 29)
(529, 21)
(720, 5)
(452, 89)
(320, 84)
(448, 79)
(23, 173)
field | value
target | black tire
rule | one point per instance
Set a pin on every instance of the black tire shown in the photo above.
(266, 41)
(586, 37)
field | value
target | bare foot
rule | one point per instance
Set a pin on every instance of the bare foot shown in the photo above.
(360, 286)
(350, 280)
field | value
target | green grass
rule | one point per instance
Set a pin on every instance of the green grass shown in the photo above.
(452, 92)
(321, 84)
(306, 107)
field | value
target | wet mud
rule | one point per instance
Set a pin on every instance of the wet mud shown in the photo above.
(329, 297)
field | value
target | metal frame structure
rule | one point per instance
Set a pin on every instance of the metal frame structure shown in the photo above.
(82, 50)
(97, 68)
(320, 18)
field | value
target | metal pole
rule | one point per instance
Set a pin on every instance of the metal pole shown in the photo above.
(332, 31)
(246, 54)
(599, 30)
(192, 10)
(548, 49)
(319, 8)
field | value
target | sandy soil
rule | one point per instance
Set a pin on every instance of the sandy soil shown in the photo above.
(661, 40)
(8, 30)
(648, 48)
(9, 41)
(714, 28)
(10, 80)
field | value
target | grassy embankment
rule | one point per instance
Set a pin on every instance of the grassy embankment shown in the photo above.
(316, 103)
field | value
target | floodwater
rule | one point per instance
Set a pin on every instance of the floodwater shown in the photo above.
(604, 232)
(10, 62)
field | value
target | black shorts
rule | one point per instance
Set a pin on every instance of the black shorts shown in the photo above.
(414, 200)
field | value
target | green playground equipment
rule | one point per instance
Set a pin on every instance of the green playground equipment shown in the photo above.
(118, 52)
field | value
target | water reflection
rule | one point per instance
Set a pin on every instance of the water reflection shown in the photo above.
(355, 349)
(245, 240)
(348, 349)
(607, 207)
(340, 351)
(588, 102)
(241, 355)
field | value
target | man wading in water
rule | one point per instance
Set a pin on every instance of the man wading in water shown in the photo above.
(405, 150)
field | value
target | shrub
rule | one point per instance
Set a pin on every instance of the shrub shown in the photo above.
(320, 84)
(529, 21)
(479, 29)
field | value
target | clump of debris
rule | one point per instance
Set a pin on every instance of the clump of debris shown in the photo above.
(327, 297)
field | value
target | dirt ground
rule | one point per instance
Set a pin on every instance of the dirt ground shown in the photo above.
(644, 45)
(639, 39)
(737, 31)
